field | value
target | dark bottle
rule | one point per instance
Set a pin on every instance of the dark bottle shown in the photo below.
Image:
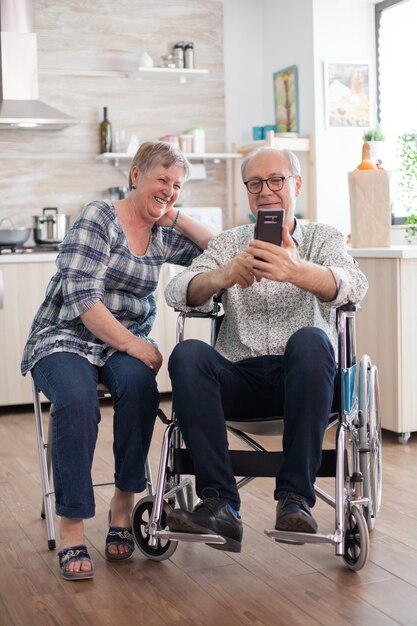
(105, 133)
(189, 55)
(178, 52)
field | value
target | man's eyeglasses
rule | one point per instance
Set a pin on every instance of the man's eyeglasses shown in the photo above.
(274, 183)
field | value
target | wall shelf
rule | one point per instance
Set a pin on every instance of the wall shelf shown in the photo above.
(180, 74)
(216, 157)
(295, 144)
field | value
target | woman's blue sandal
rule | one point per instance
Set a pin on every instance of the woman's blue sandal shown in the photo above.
(119, 536)
(69, 555)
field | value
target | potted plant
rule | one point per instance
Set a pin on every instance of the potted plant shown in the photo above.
(373, 134)
(407, 184)
(376, 139)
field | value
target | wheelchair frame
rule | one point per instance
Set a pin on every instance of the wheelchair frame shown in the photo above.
(355, 463)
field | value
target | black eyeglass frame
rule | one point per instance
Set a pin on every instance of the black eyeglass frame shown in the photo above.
(266, 180)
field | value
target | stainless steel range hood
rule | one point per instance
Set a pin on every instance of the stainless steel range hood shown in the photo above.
(20, 106)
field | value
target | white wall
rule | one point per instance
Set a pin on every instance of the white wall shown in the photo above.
(343, 32)
(262, 36)
(243, 68)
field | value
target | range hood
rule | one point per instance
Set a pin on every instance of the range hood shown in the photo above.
(20, 106)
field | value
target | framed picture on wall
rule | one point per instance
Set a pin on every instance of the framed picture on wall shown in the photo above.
(347, 95)
(286, 100)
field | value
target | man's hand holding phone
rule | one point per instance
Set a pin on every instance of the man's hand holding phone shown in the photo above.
(278, 262)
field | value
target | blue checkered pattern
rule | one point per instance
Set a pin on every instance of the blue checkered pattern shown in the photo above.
(95, 264)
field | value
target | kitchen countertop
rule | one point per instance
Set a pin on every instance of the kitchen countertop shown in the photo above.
(394, 252)
(28, 257)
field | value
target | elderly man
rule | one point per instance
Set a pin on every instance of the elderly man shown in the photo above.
(275, 353)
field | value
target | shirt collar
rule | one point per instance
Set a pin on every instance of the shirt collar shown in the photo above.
(298, 234)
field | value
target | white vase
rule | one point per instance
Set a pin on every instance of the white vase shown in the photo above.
(145, 60)
(378, 151)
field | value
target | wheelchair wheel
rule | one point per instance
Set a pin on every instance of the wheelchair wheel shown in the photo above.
(370, 440)
(356, 539)
(141, 516)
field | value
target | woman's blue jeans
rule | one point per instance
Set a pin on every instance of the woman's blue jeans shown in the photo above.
(208, 389)
(69, 382)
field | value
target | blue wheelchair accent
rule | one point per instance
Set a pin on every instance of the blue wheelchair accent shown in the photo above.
(348, 387)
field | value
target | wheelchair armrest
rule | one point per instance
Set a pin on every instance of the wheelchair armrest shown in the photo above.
(217, 299)
(349, 306)
(215, 315)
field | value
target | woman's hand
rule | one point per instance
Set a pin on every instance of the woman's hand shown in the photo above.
(102, 323)
(169, 216)
(145, 352)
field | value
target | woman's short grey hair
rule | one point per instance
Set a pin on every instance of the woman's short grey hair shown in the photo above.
(292, 159)
(153, 153)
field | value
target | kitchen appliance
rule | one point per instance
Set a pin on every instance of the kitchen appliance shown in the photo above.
(12, 236)
(24, 249)
(211, 216)
(50, 227)
(117, 193)
(20, 106)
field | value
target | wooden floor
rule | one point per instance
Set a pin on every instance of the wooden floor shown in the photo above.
(267, 583)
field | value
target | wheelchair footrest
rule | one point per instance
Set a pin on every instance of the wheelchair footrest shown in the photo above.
(190, 537)
(286, 536)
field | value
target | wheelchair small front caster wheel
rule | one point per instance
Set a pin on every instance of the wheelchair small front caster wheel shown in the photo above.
(403, 438)
(141, 516)
(356, 539)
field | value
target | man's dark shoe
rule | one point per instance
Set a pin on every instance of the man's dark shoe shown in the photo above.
(212, 516)
(293, 513)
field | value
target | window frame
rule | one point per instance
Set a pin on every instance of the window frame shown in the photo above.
(379, 9)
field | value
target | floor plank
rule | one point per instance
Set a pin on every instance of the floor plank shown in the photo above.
(267, 583)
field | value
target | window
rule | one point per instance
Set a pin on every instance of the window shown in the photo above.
(396, 40)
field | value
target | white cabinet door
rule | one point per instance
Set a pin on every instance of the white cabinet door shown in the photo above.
(164, 330)
(24, 287)
(386, 330)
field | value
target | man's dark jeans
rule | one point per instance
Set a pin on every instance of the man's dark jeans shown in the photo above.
(208, 389)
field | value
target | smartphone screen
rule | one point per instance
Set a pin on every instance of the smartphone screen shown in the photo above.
(269, 224)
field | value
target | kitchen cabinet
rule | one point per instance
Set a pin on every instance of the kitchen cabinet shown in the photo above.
(24, 284)
(387, 331)
(295, 144)
(23, 281)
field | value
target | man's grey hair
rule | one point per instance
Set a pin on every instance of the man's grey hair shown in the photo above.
(153, 153)
(292, 159)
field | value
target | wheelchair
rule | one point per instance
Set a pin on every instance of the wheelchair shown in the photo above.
(355, 461)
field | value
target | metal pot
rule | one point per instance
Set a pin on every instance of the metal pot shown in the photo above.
(117, 193)
(14, 235)
(51, 226)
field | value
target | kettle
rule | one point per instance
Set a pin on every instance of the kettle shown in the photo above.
(117, 193)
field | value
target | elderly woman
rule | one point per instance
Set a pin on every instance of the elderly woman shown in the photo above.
(93, 327)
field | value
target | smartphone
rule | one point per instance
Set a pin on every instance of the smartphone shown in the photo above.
(269, 224)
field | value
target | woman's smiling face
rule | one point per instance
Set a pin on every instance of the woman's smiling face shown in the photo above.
(157, 189)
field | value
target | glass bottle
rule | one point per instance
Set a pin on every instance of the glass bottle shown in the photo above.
(105, 133)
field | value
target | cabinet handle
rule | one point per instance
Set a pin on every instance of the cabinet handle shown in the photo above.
(1, 290)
